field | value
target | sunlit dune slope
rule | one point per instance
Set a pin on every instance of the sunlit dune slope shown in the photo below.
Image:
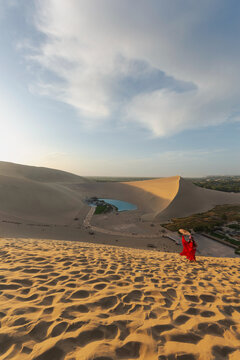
(158, 192)
(166, 188)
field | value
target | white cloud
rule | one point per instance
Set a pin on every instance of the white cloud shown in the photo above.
(90, 46)
(168, 112)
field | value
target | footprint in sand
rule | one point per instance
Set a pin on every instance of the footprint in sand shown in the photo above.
(192, 298)
(29, 298)
(59, 329)
(181, 319)
(100, 286)
(134, 295)
(210, 329)
(76, 325)
(207, 314)
(222, 352)
(54, 353)
(207, 298)
(6, 342)
(130, 350)
(80, 294)
(192, 311)
(47, 300)
(186, 338)
(39, 331)
(157, 330)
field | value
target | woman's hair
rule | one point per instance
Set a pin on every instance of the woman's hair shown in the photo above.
(191, 239)
(194, 243)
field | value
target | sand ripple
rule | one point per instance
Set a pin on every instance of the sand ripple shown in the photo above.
(77, 301)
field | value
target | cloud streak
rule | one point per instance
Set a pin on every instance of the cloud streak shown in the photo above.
(151, 63)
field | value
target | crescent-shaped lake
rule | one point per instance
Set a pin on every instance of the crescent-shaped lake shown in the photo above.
(121, 205)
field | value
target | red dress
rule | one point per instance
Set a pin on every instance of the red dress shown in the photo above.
(185, 247)
(189, 249)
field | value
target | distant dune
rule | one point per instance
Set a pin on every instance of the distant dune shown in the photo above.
(53, 196)
(40, 174)
(192, 199)
(179, 197)
(159, 193)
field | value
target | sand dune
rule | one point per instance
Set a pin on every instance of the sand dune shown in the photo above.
(179, 197)
(57, 197)
(65, 301)
(191, 199)
(38, 194)
(158, 193)
(40, 174)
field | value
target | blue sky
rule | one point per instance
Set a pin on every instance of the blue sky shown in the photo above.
(121, 88)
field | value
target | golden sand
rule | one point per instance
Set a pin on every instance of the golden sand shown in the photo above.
(165, 188)
(70, 300)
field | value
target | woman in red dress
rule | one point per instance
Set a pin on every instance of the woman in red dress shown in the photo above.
(189, 248)
(185, 247)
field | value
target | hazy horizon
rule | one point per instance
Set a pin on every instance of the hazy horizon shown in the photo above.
(126, 176)
(121, 89)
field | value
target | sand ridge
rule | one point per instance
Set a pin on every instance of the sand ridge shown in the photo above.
(69, 300)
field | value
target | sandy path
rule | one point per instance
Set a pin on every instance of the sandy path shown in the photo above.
(64, 300)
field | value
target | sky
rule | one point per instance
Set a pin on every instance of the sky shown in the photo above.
(121, 88)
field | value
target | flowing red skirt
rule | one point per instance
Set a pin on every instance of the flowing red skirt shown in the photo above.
(188, 250)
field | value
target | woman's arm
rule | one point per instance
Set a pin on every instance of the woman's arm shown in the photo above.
(184, 242)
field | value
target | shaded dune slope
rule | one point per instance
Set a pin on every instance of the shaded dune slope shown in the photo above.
(191, 199)
(38, 194)
(40, 174)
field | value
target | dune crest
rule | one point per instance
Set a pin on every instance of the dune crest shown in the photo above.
(157, 192)
(40, 174)
(165, 188)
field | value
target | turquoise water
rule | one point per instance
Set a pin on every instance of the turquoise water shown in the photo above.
(121, 205)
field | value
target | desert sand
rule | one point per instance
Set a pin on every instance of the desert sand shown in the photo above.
(68, 300)
(41, 195)
(89, 300)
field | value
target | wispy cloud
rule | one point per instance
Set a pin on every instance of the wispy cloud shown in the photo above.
(152, 63)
